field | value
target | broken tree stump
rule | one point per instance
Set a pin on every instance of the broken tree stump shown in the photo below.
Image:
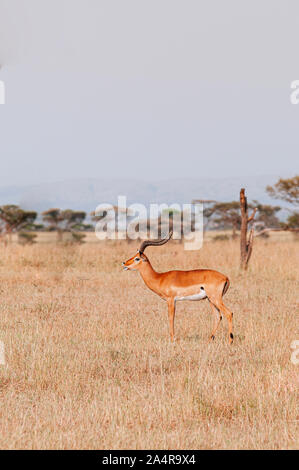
(246, 242)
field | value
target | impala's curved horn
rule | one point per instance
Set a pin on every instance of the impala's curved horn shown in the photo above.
(159, 242)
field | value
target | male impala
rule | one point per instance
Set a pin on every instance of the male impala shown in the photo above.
(197, 284)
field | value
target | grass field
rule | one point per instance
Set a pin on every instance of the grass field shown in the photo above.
(89, 363)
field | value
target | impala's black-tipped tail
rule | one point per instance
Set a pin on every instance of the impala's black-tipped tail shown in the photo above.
(226, 286)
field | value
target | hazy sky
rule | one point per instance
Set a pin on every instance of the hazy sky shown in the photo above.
(149, 89)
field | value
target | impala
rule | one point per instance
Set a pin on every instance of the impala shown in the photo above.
(172, 286)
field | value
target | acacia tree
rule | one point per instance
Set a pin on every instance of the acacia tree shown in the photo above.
(226, 214)
(113, 219)
(168, 220)
(293, 221)
(74, 223)
(14, 219)
(53, 218)
(26, 238)
(266, 216)
(73, 220)
(287, 190)
(207, 213)
(64, 221)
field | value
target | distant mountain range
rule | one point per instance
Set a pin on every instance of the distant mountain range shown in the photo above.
(85, 194)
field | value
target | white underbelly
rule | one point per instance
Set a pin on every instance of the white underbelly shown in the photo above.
(201, 295)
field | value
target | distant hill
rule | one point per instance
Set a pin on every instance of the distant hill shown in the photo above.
(86, 194)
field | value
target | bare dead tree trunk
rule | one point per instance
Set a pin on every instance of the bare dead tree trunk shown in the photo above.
(59, 235)
(9, 234)
(3, 238)
(246, 242)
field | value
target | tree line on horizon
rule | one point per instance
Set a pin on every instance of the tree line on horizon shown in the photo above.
(217, 215)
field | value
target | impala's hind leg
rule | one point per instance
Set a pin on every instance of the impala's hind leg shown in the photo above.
(218, 303)
(218, 318)
(229, 317)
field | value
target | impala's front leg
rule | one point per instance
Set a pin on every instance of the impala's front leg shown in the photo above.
(171, 312)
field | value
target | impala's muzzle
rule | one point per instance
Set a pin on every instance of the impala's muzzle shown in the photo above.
(124, 266)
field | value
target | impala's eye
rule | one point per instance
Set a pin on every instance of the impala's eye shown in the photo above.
(137, 259)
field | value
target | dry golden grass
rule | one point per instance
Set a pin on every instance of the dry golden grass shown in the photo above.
(89, 363)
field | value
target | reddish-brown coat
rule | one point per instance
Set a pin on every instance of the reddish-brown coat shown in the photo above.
(177, 285)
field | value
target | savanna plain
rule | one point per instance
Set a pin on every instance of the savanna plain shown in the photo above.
(89, 364)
